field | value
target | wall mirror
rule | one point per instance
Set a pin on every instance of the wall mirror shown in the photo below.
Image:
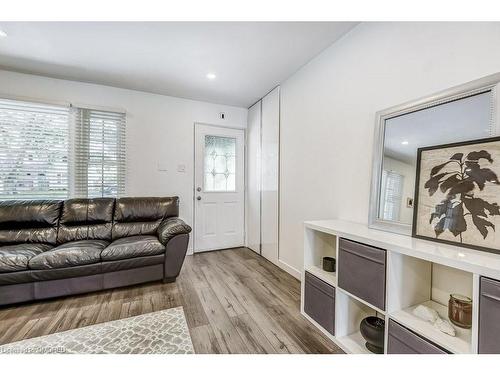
(458, 114)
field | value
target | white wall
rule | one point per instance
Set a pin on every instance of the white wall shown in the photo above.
(328, 111)
(159, 129)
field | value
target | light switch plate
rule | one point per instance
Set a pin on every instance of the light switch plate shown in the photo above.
(162, 166)
(181, 168)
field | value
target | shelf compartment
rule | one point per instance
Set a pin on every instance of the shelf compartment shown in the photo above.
(318, 245)
(362, 301)
(353, 343)
(460, 344)
(327, 277)
(349, 314)
(413, 281)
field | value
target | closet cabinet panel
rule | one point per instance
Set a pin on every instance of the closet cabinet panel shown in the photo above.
(270, 169)
(253, 178)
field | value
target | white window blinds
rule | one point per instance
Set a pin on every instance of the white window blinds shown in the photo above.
(99, 153)
(34, 150)
(57, 152)
(391, 199)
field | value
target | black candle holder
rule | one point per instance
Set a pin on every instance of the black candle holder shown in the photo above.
(329, 264)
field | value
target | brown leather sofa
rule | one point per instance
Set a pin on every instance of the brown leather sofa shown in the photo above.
(56, 248)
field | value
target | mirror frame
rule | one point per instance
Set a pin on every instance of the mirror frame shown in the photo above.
(489, 83)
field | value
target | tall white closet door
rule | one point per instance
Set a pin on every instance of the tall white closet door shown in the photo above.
(270, 174)
(253, 178)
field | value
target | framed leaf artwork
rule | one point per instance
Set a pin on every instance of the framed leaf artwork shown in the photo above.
(457, 194)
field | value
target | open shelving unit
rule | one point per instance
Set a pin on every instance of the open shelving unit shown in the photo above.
(350, 310)
(417, 272)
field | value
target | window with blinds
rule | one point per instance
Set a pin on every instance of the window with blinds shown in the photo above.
(392, 195)
(57, 152)
(34, 150)
(99, 160)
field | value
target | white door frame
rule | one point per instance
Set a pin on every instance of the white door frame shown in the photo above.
(194, 177)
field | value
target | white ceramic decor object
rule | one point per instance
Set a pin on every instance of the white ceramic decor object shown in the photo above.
(445, 327)
(426, 313)
(431, 315)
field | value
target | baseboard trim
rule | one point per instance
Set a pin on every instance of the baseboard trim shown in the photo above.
(289, 269)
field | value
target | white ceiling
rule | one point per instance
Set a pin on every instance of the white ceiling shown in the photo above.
(170, 58)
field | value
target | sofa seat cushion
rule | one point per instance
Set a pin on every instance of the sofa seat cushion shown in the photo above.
(132, 247)
(127, 264)
(74, 253)
(16, 257)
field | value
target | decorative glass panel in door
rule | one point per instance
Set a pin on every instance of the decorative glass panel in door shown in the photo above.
(220, 162)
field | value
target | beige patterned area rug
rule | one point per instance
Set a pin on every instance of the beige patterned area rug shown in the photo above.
(161, 332)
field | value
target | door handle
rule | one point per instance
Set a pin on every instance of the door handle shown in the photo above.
(198, 189)
(198, 198)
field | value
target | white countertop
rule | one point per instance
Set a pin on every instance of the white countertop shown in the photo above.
(474, 261)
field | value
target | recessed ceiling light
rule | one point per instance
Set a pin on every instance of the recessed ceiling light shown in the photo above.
(404, 142)
(3, 34)
(211, 76)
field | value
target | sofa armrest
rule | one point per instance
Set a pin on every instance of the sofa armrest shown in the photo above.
(174, 234)
(170, 228)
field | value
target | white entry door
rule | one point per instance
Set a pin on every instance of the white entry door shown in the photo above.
(219, 188)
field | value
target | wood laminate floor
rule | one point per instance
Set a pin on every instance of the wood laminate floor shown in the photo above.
(235, 302)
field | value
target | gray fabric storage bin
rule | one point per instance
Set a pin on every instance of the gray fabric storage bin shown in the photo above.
(361, 271)
(403, 341)
(489, 316)
(319, 302)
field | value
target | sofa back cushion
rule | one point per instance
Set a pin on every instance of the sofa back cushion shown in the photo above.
(142, 216)
(86, 219)
(33, 221)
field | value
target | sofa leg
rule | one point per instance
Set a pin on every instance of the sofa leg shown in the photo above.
(169, 280)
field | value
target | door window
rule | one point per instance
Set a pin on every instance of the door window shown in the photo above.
(220, 164)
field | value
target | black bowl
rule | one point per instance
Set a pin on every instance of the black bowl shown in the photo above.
(372, 329)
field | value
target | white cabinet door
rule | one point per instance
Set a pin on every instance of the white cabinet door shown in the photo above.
(270, 174)
(219, 188)
(253, 178)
